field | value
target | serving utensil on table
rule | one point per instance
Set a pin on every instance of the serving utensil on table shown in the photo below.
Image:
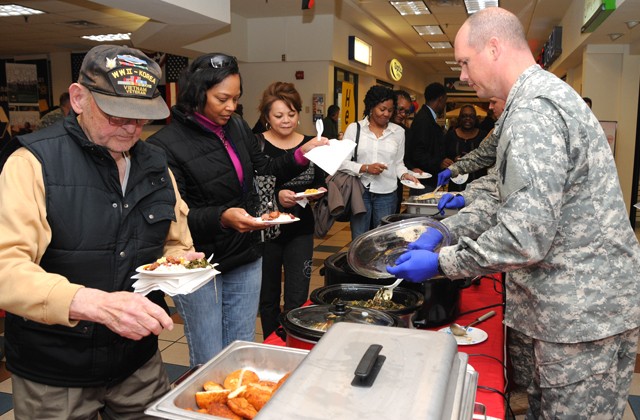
(385, 293)
(319, 128)
(460, 330)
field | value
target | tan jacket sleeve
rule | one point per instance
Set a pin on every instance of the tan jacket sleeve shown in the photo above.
(25, 288)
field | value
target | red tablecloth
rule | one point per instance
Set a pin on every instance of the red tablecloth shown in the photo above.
(487, 357)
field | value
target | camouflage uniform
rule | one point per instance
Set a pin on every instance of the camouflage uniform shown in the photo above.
(481, 157)
(561, 230)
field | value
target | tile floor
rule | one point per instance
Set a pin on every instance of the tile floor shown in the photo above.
(173, 344)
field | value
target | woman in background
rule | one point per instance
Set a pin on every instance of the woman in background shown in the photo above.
(214, 155)
(379, 163)
(293, 249)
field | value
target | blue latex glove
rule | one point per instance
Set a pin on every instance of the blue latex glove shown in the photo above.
(444, 176)
(450, 201)
(428, 241)
(415, 266)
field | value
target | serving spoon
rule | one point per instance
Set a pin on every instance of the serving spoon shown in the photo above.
(459, 330)
(385, 293)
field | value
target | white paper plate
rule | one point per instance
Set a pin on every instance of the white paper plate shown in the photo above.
(460, 179)
(156, 273)
(282, 220)
(424, 175)
(412, 184)
(473, 336)
(304, 194)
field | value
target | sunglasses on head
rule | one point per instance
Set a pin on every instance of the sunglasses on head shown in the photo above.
(221, 61)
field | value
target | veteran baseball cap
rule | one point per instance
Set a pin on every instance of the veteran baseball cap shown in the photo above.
(123, 82)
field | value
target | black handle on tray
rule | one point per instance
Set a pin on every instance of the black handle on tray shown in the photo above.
(369, 367)
(185, 375)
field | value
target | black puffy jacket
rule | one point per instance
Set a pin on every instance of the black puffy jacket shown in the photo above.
(208, 182)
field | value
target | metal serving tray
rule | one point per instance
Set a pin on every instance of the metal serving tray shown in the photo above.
(269, 362)
(422, 376)
(426, 207)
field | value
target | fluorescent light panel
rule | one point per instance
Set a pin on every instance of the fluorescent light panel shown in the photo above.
(108, 37)
(411, 7)
(451, 63)
(439, 45)
(456, 68)
(17, 10)
(476, 5)
(428, 29)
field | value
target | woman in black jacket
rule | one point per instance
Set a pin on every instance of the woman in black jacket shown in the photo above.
(213, 155)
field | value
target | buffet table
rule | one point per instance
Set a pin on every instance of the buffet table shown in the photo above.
(487, 357)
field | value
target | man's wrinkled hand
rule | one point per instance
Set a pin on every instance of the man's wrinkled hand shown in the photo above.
(127, 314)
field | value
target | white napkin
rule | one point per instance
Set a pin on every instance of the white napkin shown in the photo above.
(330, 157)
(180, 284)
(302, 202)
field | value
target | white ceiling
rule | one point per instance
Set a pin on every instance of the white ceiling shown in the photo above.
(159, 22)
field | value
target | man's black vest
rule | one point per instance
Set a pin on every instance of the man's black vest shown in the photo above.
(99, 237)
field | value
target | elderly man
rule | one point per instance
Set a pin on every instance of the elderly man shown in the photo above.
(83, 204)
(557, 224)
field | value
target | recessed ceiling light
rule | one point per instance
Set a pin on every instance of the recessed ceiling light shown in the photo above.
(439, 45)
(632, 23)
(108, 37)
(451, 63)
(17, 10)
(477, 5)
(615, 36)
(428, 30)
(411, 7)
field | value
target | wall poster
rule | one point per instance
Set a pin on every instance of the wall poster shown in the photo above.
(610, 128)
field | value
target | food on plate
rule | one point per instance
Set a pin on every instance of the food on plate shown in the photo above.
(239, 378)
(176, 264)
(242, 407)
(275, 215)
(311, 191)
(241, 396)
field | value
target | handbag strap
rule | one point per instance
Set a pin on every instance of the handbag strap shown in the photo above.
(355, 152)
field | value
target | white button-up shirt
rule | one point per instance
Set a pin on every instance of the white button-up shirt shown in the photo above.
(388, 149)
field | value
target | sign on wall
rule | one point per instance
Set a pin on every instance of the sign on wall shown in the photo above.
(348, 106)
(318, 106)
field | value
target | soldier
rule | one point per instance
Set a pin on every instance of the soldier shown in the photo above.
(556, 223)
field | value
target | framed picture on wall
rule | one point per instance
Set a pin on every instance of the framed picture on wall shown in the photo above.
(609, 128)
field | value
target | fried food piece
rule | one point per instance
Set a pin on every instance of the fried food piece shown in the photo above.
(204, 399)
(281, 381)
(259, 393)
(240, 377)
(242, 407)
(224, 411)
(212, 386)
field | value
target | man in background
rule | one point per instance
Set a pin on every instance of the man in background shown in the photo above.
(330, 123)
(425, 146)
(56, 114)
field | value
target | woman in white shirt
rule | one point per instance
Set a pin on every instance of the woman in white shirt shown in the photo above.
(378, 159)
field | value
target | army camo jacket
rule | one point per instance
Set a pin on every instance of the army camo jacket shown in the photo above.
(481, 157)
(557, 223)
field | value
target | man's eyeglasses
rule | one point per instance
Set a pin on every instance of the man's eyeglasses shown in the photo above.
(467, 116)
(401, 111)
(119, 121)
(220, 61)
